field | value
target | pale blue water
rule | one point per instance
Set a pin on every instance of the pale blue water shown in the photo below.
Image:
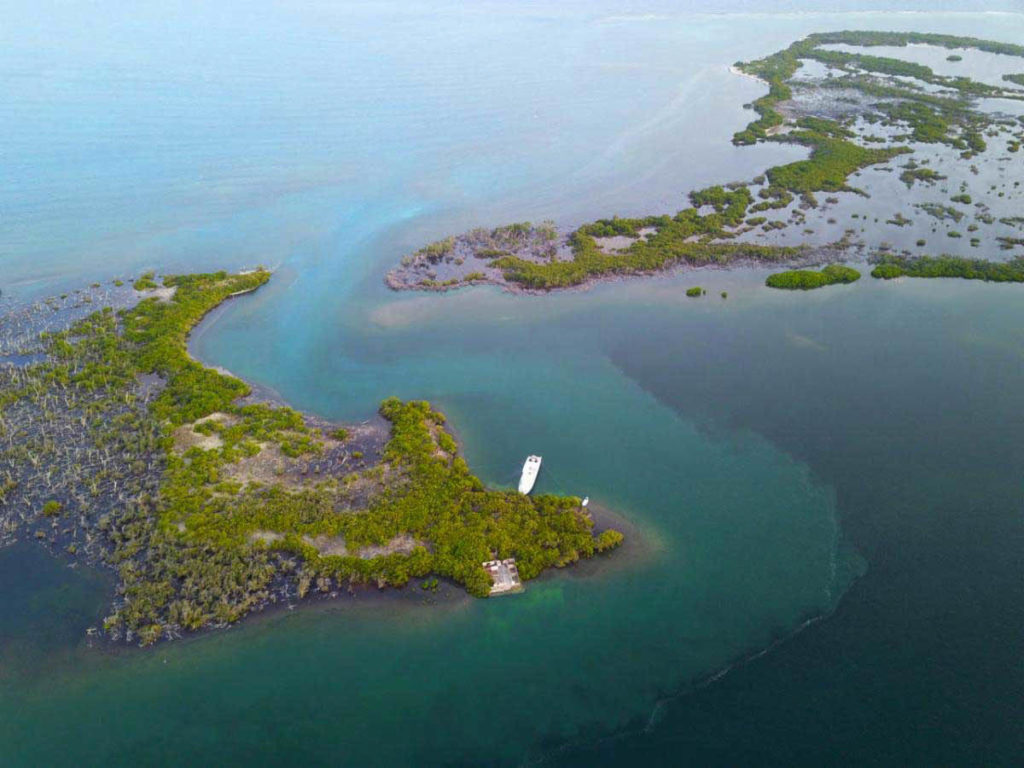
(327, 140)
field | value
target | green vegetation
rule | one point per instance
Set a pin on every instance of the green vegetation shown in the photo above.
(684, 238)
(950, 266)
(145, 283)
(223, 505)
(1016, 79)
(941, 212)
(695, 291)
(833, 156)
(927, 124)
(832, 161)
(709, 232)
(450, 283)
(920, 173)
(887, 271)
(805, 279)
(434, 252)
(954, 57)
(778, 68)
(152, 341)
(772, 199)
(869, 38)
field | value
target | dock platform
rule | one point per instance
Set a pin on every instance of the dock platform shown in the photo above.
(505, 576)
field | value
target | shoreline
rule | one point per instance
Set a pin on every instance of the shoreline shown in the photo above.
(310, 508)
(737, 71)
(815, 256)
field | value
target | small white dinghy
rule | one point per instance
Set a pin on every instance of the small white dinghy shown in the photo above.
(530, 470)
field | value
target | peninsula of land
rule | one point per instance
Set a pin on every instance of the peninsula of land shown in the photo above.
(118, 448)
(858, 111)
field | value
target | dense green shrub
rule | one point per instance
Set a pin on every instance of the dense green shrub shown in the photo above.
(951, 266)
(887, 271)
(805, 279)
(208, 546)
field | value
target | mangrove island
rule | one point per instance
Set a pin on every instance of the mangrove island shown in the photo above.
(119, 449)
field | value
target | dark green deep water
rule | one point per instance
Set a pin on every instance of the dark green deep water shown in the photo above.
(912, 409)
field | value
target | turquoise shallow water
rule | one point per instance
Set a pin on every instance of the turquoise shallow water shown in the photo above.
(763, 451)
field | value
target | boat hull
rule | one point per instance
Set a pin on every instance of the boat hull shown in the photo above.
(529, 477)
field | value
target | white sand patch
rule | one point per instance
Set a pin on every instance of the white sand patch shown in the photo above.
(267, 537)
(403, 544)
(162, 294)
(327, 545)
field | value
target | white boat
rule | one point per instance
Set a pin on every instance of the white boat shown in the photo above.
(530, 470)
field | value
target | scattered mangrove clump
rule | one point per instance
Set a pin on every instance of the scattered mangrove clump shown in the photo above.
(145, 282)
(941, 212)
(914, 172)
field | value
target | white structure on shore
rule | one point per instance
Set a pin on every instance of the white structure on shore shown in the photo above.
(504, 576)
